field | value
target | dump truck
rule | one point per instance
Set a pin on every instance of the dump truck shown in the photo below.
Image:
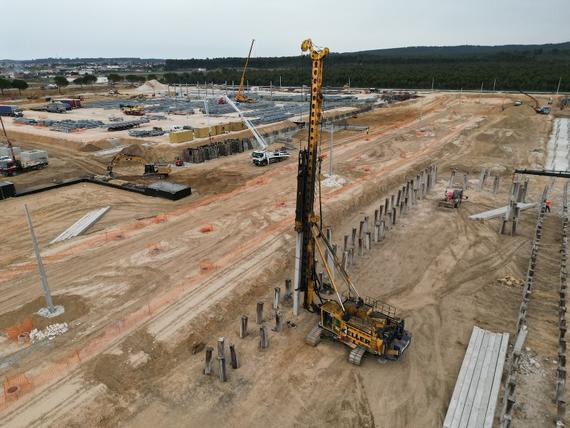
(10, 111)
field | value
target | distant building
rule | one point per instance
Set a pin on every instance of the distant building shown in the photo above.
(102, 79)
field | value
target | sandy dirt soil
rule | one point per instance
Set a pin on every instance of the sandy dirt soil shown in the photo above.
(155, 281)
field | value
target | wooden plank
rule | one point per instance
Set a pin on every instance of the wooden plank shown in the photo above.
(473, 386)
(453, 404)
(494, 395)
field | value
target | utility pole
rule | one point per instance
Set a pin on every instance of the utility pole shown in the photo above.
(41, 269)
(331, 129)
(494, 84)
(432, 83)
(558, 87)
(271, 89)
(280, 85)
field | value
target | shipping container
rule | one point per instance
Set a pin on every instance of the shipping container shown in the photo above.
(7, 189)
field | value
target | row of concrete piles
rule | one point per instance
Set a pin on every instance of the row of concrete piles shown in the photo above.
(561, 370)
(385, 217)
(279, 322)
(483, 179)
(216, 149)
(484, 175)
(522, 329)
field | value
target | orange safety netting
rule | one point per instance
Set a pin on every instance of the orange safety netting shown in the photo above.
(22, 328)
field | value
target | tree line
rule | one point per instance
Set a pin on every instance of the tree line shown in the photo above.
(527, 69)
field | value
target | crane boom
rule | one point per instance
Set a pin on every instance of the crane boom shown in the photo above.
(240, 96)
(250, 126)
(8, 141)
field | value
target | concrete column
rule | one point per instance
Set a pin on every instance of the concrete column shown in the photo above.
(259, 313)
(387, 205)
(394, 215)
(276, 297)
(381, 230)
(345, 243)
(380, 212)
(466, 181)
(288, 290)
(278, 322)
(209, 353)
(361, 228)
(367, 241)
(353, 239)
(243, 326)
(221, 350)
(233, 357)
(263, 338)
(360, 246)
(222, 366)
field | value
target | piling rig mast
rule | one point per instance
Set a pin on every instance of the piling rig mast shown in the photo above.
(363, 324)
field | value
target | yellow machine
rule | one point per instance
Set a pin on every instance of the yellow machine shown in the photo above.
(363, 324)
(150, 169)
(137, 110)
(240, 96)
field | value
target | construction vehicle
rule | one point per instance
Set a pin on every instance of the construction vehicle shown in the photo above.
(537, 108)
(452, 197)
(11, 111)
(24, 161)
(178, 162)
(262, 157)
(130, 110)
(240, 95)
(363, 324)
(150, 169)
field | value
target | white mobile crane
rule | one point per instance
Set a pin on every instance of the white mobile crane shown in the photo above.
(263, 156)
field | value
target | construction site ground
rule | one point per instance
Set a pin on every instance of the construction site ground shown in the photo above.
(155, 281)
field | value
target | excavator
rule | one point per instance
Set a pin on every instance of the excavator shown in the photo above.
(150, 169)
(365, 325)
(536, 107)
(240, 95)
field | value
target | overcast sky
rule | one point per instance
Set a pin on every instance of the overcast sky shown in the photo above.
(212, 28)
